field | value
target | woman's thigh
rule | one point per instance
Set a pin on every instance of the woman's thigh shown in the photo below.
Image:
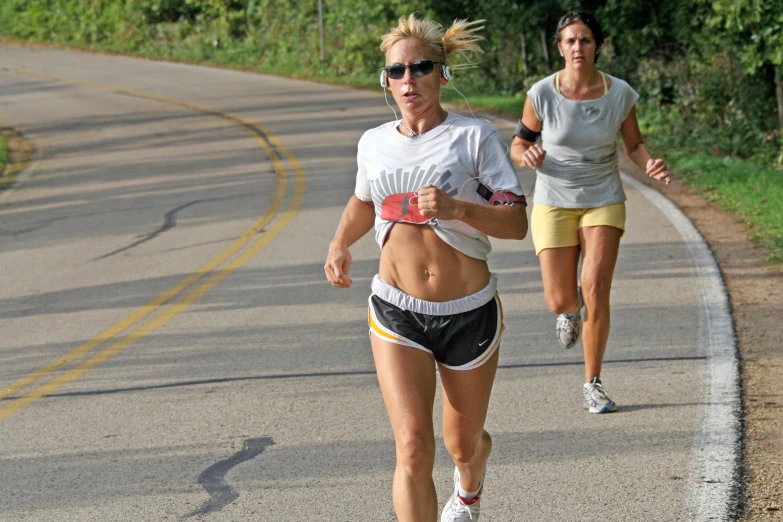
(600, 249)
(466, 399)
(600, 232)
(558, 274)
(407, 379)
(555, 233)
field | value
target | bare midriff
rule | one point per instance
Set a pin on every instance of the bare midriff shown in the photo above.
(418, 262)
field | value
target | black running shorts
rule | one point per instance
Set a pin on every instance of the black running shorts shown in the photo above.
(460, 341)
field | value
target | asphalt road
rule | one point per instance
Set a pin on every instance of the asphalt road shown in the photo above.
(169, 348)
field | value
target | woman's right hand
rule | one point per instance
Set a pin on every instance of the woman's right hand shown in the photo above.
(338, 262)
(534, 156)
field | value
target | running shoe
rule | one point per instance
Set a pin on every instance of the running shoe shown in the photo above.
(595, 398)
(568, 327)
(459, 510)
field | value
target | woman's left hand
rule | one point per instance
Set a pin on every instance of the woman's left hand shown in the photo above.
(656, 169)
(434, 202)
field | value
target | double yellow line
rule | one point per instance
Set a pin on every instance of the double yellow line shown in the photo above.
(216, 270)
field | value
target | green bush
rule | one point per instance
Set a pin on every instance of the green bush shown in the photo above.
(714, 107)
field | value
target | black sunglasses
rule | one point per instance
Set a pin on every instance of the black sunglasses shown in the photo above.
(418, 68)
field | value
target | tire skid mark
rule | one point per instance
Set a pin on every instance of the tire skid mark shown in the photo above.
(213, 479)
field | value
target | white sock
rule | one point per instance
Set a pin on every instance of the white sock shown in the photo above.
(468, 495)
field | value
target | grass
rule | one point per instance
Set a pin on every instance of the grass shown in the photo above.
(751, 191)
(14, 155)
(508, 106)
(3, 153)
(7, 175)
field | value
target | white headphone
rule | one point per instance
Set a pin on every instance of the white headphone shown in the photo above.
(445, 71)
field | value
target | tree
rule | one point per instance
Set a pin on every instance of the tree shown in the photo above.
(758, 27)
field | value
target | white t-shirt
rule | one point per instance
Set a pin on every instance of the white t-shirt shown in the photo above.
(392, 167)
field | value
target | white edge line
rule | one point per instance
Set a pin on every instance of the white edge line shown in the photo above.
(713, 485)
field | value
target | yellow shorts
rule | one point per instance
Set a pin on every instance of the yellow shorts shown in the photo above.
(554, 227)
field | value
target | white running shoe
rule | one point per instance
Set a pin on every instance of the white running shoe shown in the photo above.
(595, 398)
(568, 327)
(459, 510)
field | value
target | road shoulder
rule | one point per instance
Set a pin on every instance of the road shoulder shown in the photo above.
(756, 298)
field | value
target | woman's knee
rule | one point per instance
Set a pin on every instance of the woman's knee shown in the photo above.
(466, 448)
(560, 302)
(416, 451)
(595, 295)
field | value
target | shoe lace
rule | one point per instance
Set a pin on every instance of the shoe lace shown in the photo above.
(460, 510)
(565, 324)
(596, 391)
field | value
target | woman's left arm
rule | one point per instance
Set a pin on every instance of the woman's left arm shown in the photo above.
(500, 221)
(637, 151)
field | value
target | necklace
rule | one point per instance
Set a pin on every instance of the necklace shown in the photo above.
(412, 133)
(589, 86)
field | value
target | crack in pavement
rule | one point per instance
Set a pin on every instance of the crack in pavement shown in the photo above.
(168, 223)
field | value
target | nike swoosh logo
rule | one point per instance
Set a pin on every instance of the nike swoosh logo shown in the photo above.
(483, 343)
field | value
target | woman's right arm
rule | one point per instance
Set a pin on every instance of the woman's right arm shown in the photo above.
(523, 152)
(358, 219)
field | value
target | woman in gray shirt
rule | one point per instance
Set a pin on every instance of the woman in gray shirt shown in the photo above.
(579, 202)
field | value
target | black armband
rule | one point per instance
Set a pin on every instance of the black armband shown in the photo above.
(526, 134)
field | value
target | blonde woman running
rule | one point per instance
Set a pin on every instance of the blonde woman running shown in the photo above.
(579, 202)
(425, 182)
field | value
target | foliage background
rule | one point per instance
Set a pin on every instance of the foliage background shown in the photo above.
(706, 69)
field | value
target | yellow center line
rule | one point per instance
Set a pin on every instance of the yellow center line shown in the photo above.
(259, 132)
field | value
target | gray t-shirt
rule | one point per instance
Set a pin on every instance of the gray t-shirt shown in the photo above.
(454, 156)
(580, 139)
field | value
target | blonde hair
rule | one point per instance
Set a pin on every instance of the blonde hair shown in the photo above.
(459, 39)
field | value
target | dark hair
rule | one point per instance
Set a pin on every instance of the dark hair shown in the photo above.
(582, 18)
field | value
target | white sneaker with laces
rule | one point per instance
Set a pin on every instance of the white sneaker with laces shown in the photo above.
(459, 510)
(568, 327)
(595, 398)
